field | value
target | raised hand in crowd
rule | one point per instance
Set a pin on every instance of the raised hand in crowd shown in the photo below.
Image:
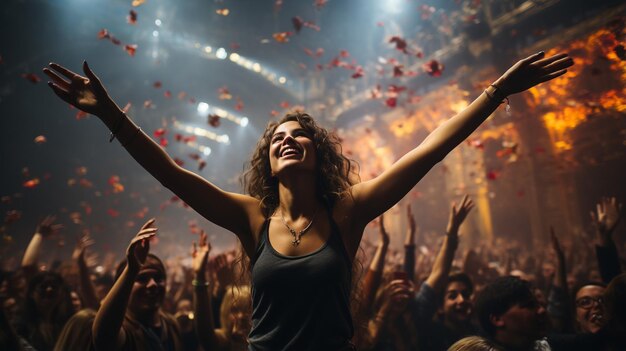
(409, 245)
(84, 261)
(607, 216)
(45, 229)
(605, 219)
(374, 274)
(441, 268)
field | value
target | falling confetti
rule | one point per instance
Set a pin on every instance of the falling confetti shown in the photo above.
(222, 12)
(132, 17)
(131, 49)
(40, 139)
(31, 77)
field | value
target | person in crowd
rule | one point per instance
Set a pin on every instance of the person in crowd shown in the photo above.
(235, 311)
(304, 213)
(589, 307)
(47, 308)
(77, 332)
(130, 316)
(511, 316)
(474, 343)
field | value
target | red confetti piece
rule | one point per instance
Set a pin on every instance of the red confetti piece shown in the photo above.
(400, 44)
(136, 3)
(214, 120)
(282, 37)
(178, 137)
(239, 104)
(31, 77)
(178, 161)
(380, 24)
(426, 11)
(40, 139)
(358, 73)
(159, 132)
(163, 142)
(132, 17)
(235, 46)
(182, 95)
(194, 157)
(298, 23)
(104, 34)
(201, 165)
(319, 52)
(157, 84)
(396, 88)
(391, 102)
(115, 41)
(167, 94)
(127, 107)
(284, 104)
(85, 183)
(224, 93)
(433, 68)
(31, 183)
(130, 49)
(493, 175)
(113, 213)
(397, 71)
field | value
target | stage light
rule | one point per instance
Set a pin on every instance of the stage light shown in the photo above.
(221, 53)
(256, 67)
(207, 49)
(203, 107)
(157, 22)
(244, 121)
(155, 33)
(282, 80)
(234, 57)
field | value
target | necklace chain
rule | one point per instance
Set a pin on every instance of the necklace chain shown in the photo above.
(297, 235)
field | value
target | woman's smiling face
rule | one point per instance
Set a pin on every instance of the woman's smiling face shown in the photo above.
(291, 146)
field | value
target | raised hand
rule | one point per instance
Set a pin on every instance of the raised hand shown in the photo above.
(531, 71)
(607, 216)
(83, 92)
(82, 244)
(139, 247)
(200, 256)
(47, 227)
(224, 274)
(457, 217)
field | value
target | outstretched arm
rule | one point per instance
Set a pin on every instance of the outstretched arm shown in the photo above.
(107, 327)
(45, 229)
(373, 197)
(233, 212)
(443, 262)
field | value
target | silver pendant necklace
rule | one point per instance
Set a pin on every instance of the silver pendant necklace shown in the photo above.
(297, 235)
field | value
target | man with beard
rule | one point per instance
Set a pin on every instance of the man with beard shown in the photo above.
(130, 317)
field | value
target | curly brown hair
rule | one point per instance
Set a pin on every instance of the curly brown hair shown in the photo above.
(334, 172)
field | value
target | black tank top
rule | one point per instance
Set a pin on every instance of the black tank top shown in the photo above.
(301, 302)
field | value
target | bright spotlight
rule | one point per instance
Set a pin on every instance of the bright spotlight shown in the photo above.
(157, 22)
(282, 80)
(207, 49)
(206, 151)
(256, 67)
(221, 53)
(234, 57)
(155, 33)
(203, 107)
(244, 121)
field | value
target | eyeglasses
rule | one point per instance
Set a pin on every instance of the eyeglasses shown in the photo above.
(588, 301)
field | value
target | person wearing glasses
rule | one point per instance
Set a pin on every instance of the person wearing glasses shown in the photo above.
(589, 307)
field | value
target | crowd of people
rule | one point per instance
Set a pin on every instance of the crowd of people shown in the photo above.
(565, 295)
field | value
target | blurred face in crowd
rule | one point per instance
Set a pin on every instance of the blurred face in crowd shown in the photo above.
(47, 294)
(457, 304)
(526, 320)
(148, 290)
(590, 308)
(76, 303)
